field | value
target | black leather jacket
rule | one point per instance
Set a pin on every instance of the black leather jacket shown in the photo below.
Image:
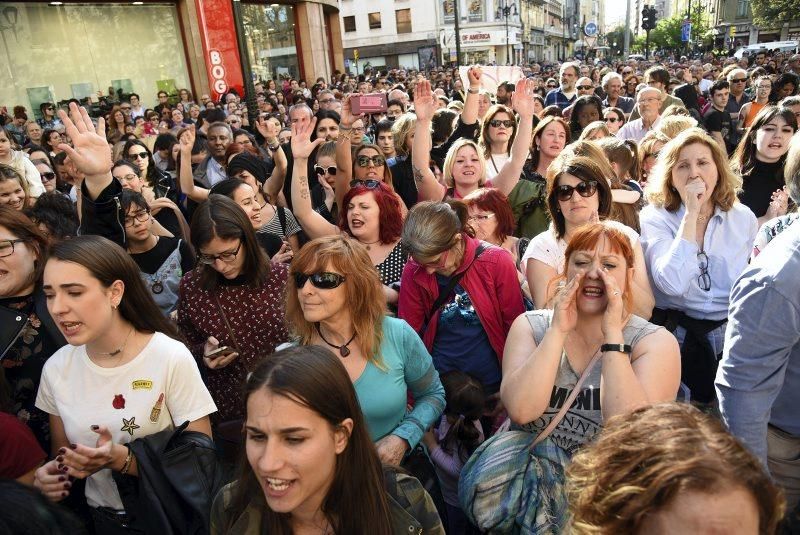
(178, 478)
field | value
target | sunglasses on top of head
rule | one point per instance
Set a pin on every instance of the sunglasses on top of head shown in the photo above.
(324, 281)
(584, 189)
(322, 170)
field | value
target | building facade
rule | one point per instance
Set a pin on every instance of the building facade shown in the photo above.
(55, 51)
(735, 28)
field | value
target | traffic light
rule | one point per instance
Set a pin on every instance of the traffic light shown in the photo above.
(648, 17)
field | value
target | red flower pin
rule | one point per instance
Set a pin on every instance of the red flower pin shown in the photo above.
(119, 401)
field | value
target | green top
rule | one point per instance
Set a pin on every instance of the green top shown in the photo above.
(529, 203)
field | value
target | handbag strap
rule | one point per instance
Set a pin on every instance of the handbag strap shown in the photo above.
(227, 324)
(444, 294)
(568, 403)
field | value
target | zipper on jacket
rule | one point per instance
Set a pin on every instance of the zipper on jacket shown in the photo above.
(121, 224)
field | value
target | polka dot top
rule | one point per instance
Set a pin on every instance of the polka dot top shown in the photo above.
(391, 269)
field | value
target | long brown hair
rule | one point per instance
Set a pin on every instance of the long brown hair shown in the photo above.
(484, 142)
(315, 378)
(18, 224)
(362, 283)
(108, 262)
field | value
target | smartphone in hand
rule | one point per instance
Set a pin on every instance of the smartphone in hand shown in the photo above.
(219, 352)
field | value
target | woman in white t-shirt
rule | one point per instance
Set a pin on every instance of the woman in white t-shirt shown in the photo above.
(123, 376)
(577, 194)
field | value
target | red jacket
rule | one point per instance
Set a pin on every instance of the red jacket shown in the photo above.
(491, 282)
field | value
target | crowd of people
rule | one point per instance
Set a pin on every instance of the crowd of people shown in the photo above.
(305, 319)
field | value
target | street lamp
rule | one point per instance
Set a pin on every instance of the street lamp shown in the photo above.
(506, 10)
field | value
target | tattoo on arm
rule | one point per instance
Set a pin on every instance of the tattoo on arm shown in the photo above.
(417, 174)
(304, 193)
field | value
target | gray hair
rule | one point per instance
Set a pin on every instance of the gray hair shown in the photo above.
(567, 65)
(608, 77)
(221, 125)
(431, 228)
(733, 72)
(301, 107)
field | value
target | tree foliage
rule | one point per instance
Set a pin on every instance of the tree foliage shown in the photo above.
(767, 12)
(667, 33)
(617, 35)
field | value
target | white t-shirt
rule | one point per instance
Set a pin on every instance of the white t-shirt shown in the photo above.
(548, 249)
(494, 164)
(125, 399)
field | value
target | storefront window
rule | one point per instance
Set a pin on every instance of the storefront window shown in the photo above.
(55, 53)
(269, 30)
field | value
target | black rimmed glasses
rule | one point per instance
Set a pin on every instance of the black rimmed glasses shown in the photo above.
(704, 280)
(227, 256)
(7, 246)
(584, 189)
(140, 215)
(324, 280)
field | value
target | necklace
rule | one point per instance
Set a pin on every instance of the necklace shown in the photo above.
(369, 248)
(120, 349)
(343, 349)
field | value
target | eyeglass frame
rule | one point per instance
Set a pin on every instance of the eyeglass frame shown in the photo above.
(130, 220)
(138, 156)
(330, 170)
(481, 217)
(210, 260)
(11, 243)
(376, 161)
(587, 185)
(704, 274)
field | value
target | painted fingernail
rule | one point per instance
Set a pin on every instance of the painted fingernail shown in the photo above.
(67, 485)
(62, 478)
(73, 447)
(62, 451)
(61, 467)
(94, 427)
(63, 494)
(60, 459)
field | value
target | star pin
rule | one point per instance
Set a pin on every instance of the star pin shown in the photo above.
(129, 425)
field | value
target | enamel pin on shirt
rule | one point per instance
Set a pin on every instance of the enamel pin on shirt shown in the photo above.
(156, 411)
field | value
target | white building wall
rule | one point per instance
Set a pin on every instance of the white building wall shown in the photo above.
(423, 22)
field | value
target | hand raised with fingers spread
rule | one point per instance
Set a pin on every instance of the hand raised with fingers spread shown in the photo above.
(522, 99)
(302, 146)
(91, 153)
(424, 103)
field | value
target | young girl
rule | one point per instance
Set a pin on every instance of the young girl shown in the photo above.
(13, 188)
(458, 435)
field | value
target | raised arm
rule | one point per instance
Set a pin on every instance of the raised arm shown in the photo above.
(344, 152)
(471, 103)
(313, 224)
(91, 153)
(188, 186)
(643, 298)
(522, 102)
(428, 187)
(274, 184)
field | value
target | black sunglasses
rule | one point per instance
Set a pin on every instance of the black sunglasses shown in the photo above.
(369, 184)
(496, 123)
(365, 161)
(584, 189)
(135, 155)
(585, 87)
(324, 281)
(322, 170)
(47, 177)
(611, 119)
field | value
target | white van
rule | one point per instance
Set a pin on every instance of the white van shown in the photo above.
(783, 46)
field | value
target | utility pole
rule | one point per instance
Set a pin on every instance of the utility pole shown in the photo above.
(626, 47)
(458, 32)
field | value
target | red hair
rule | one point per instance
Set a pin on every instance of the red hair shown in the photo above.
(391, 217)
(492, 200)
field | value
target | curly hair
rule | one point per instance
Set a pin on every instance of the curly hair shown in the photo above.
(643, 460)
(660, 191)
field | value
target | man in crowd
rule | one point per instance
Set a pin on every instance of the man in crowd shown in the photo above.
(212, 170)
(717, 119)
(612, 85)
(137, 110)
(325, 99)
(648, 103)
(584, 87)
(504, 91)
(564, 95)
(737, 78)
(658, 78)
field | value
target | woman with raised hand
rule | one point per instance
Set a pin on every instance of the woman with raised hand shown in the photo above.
(464, 168)
(548, 350)
(311, 466)
(371, 213)
(124, 376)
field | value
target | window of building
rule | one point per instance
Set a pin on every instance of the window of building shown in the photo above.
(403, 17)
(274, 51)
(350, 23)
(741, 8)
(374, 20)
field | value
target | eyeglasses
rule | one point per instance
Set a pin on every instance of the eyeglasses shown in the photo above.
(704, 280)
(611, 119)
(551, 86)
(137, 155)
(326, 101)
(7, 247)
(322, 170)
(585, 87)
(127, 178)
(234, 120)
(324, 281)
(738, 80)
(141, 216)
(497, 123)
(47, 177)
(480, 217)
(366, 161)
(584, 189)
(369, 184)
(227, 256)
(358, 129)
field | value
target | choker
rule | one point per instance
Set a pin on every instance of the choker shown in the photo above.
(343, 349)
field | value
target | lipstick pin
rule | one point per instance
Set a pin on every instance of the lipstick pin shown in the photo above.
(156, 411)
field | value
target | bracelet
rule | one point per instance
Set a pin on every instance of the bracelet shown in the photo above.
(473, 91)
(128, 460)
(619, 348)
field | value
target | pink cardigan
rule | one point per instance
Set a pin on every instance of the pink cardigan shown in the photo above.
(491, 282)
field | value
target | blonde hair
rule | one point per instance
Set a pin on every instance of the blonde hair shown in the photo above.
(450, 162)
(660, 190)
(362, 284)
(673, 125)
(592, 128)
(401, 128)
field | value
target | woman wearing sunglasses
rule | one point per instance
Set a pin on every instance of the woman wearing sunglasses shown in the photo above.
(614, 119)
(49, 177)
(335, 301)
(697, 239)
(497, 135)
(371, 213)
(231, 306)
(159, 181)
(460, 294)
(577, 193)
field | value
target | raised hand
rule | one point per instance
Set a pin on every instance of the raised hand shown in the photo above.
(268, 129)
(522, 99)
(302, 146)
(474, 74)
(565, 306)
(187, 141)
(91, 153)
(615, 309)
(347, 118)
(424, 103)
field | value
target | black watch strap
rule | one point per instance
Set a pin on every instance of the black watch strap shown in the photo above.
(620, 348)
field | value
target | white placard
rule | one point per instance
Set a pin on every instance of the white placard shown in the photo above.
(492, 76)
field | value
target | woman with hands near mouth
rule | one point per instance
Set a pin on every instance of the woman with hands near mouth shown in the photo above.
(697, 240)
(547, 351)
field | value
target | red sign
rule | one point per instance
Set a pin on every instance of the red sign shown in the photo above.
(218, 36)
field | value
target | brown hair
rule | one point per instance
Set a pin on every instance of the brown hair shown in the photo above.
(660, 191)
(585, 169)
(432, 228)
(356, 500)
(484, 142)
(537, 134)
(365, 298)
(9, 173)
(644, 459)
(18, 224)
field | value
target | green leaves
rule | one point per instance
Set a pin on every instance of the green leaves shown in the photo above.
(766, 12)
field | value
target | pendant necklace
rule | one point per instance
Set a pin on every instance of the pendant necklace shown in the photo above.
(343, 349)
(369, 248)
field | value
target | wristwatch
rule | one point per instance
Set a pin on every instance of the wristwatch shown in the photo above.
(619, 348)
(473, 91)
(274, 147)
